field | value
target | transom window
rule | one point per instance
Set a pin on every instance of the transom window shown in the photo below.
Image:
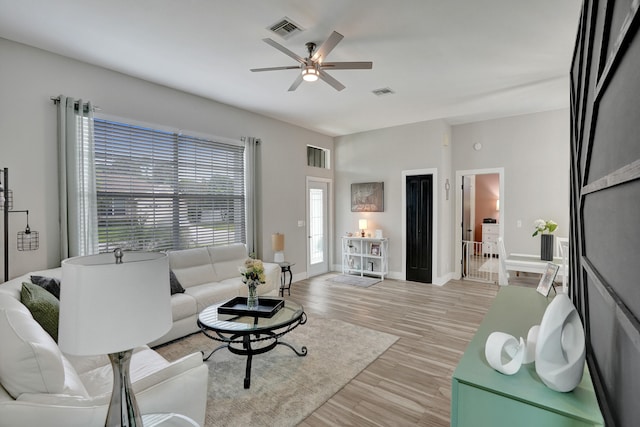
(317, 157)
(160, 190)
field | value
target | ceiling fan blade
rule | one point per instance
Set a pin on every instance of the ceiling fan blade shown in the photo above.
(295, 83)
(331, 81)
(327, 46)
(283, 50)
(346, 65)
(290, 67)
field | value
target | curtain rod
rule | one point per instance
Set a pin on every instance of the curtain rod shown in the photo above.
(56, 99)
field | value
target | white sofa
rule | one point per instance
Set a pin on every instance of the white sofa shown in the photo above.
(210, 275)
(42, 386)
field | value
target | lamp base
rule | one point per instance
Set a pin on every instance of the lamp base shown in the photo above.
(278, 256)
(123, 408)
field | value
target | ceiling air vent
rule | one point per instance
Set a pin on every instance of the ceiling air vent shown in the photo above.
(382, 92)
(285, 28)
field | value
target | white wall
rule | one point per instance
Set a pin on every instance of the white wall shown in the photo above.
(383, 155)
(28, 145)
(533, 149)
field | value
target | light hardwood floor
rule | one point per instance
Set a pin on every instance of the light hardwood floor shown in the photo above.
(409, 384)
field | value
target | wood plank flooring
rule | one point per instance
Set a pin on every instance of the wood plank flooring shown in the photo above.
(409, 384)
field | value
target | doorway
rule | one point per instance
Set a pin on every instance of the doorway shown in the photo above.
(419, 228)
(318, 243)
(480, 218)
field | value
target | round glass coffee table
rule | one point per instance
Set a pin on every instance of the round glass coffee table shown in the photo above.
(248, 333)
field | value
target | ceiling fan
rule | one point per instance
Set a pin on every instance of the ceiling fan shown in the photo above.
(313, 67)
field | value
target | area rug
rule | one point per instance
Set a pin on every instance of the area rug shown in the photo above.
(285, 388)
(347, 279)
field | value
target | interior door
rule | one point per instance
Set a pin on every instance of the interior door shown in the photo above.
(419, 228)
(318, 228)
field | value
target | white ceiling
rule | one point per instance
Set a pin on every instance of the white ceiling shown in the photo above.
(458, 60)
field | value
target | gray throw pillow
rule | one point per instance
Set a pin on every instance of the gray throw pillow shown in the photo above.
(51, 284)
(176, 287)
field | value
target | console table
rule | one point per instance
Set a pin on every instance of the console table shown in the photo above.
(483, 397)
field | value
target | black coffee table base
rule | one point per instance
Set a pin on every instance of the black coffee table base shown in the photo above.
(241, 343)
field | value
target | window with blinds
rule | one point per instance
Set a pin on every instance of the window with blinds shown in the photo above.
(317, 157)
(160, 190)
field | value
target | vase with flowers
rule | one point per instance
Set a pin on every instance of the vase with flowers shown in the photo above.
(545, 229)
(252, 274)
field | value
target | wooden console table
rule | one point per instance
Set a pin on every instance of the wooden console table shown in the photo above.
(483, 397)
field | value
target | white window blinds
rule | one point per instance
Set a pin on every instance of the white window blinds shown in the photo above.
(160, 190)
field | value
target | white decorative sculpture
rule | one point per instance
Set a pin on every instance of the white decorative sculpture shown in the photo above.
(532, 339)
(560, 347)
(504, 353)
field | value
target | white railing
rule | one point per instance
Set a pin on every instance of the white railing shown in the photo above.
(480, 262)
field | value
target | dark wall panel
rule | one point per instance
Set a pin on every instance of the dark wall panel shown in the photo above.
(605, 201)
(618, 122)
(612, 226)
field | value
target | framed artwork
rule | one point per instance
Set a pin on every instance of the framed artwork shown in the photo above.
(375, 249)
(367, 197)
(546, 282)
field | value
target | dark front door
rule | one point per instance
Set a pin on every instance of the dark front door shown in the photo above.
(419, 228)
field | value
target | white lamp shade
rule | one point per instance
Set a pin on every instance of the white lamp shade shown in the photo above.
(107, 307)
(362, 223)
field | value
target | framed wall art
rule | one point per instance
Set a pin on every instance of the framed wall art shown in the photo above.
(367, 197)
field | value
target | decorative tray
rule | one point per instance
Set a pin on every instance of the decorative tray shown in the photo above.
(267, 307)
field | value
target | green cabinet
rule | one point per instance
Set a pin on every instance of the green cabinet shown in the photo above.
(483, 397)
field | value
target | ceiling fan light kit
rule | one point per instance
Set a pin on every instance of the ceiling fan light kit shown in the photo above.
(313, 67)
(310, 73)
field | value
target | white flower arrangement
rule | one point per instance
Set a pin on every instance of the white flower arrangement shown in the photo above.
(541, 226)
(252, 271)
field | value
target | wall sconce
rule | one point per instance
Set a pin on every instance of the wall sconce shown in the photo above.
(498, 204)
(362, 225)
(277, 244)
(28, 240)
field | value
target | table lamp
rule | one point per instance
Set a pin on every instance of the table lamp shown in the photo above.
(110, 305)
(362, 224)
(277, 244)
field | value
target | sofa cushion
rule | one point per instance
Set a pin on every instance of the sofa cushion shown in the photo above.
(51, 284)
(44, 307)
(183, 306)
(30, 361)
(144, 361)
(228, 259)
(192, 266)
(212, 293)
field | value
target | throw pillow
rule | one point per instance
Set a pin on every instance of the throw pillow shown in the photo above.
(44, 307)
(176, 287)
(51, 284)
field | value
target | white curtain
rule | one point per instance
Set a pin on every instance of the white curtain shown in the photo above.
(78, 207)
(251, 190)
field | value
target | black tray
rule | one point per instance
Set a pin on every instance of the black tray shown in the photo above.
(267, 307)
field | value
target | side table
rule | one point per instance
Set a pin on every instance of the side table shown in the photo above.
(285, 267)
